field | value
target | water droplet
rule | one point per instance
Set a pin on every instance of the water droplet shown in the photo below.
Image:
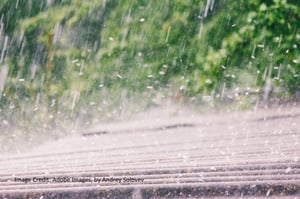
(260, 46)
(288, 170)
(11, 106)
(5, 122)
(208, 81)
(75, 61)
(162, 72)
(268, 192)
(119, 76)
(52, 103)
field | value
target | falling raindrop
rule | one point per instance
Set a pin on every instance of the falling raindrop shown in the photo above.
(3, 76)
(119, 76)
(75, 61)
(209, 6)
(33, 69)
(208, 81)
(296, 61)
(162, 73)
(260, 46)
(168, 34)
(4, 49)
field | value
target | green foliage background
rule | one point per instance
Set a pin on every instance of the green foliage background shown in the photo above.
(105, 55)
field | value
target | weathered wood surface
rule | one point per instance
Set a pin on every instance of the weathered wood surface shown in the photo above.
(237, 154)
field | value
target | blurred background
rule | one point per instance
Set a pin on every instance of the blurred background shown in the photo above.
(68, 64)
